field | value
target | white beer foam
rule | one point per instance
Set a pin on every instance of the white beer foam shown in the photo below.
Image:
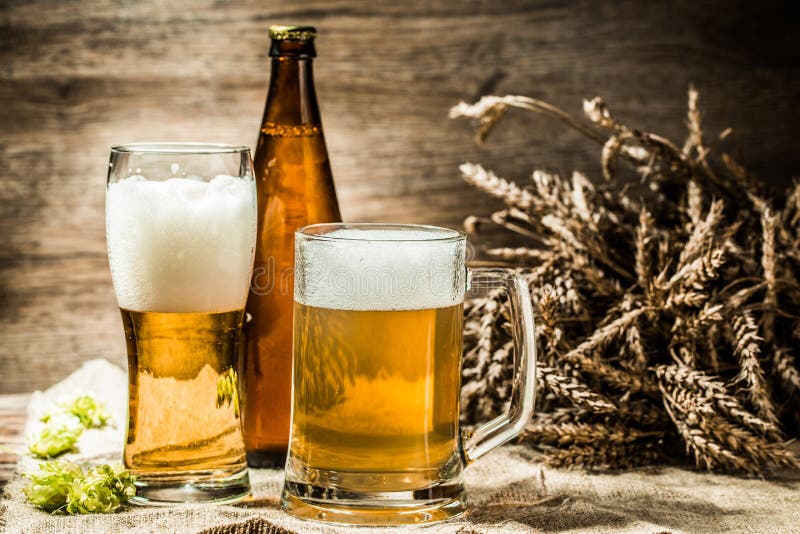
(380, 269)
(182, 244)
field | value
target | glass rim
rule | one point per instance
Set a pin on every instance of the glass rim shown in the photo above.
(438, 234)
(179, 148)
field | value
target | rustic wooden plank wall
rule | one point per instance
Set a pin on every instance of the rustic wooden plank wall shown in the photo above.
(80, 76)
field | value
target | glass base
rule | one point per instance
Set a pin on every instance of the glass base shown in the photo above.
(327, 505)
(196, 487)
(267, 459)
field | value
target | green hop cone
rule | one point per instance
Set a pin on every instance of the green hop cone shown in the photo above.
(64, 487)
(59, 435)
(49, 486)
(228, 391)
(92, 413)
(102, 490)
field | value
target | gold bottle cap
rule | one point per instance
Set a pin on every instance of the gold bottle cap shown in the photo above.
(299, 33)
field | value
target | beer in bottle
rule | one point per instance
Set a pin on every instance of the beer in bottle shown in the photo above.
(295, 188)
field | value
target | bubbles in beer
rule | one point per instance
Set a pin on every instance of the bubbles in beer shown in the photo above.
(182, 244)
(381, 269)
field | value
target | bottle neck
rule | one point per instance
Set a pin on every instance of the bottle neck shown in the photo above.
(292, 99)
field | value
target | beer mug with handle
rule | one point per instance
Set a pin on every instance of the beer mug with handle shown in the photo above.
(378, 318)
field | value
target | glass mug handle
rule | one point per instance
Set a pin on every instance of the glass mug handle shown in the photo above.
(479, 441)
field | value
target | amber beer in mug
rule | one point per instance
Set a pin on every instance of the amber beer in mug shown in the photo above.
(386, 381)
(378, 317)
(180, 226)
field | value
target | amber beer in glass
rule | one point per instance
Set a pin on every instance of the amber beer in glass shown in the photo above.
(295, 188)
(378, 318)
(180, 226)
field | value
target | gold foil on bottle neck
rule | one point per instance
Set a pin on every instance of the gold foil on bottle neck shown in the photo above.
(299, 33)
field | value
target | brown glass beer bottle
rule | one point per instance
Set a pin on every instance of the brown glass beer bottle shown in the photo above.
(295, 188)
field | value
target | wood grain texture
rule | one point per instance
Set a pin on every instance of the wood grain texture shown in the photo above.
(80, 76)
(13, 412)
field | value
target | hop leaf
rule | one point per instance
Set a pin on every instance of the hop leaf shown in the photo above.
(92, 413)
(58, 436)
(64, 487)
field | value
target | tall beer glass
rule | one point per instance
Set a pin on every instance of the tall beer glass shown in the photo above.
(378, 317)
(180, 227)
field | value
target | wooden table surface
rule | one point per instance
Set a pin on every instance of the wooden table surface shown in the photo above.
(13, 409)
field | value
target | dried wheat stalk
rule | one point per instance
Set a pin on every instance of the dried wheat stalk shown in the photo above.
(667, 321)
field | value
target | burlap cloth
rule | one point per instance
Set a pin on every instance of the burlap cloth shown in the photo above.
(509, 492)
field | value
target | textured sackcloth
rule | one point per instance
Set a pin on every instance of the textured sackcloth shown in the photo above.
(508, 491)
